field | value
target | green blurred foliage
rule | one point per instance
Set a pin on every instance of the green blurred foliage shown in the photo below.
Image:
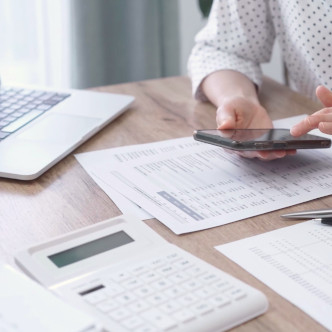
(205, 7)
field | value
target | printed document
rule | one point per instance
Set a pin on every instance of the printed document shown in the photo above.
(190, 186)
(98, 163)
(294, 261)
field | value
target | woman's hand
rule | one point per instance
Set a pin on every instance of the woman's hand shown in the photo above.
(241, 112)
(321, 119)
(238, 107)
(238, 112)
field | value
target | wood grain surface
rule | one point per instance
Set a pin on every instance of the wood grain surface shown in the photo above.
(66, 198)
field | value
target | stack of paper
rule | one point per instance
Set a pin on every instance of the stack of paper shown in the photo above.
(190, 186)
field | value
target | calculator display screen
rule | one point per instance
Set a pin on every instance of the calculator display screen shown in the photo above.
(90, 249)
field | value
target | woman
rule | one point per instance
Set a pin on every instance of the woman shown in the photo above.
(225, 62)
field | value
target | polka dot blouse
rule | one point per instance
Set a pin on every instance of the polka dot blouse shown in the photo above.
(239, 35)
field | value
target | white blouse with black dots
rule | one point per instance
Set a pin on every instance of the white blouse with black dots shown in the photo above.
(239, 35)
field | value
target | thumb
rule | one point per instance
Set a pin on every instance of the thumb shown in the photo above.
(226, 118)
(324, 95)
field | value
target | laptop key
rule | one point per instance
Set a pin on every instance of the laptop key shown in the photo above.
(51, 102)
(10, 118)
(26, 118)
(63, 95)
(26, 92)
(16, 114)
(43, 107)
(4, 123)
(37, 93)
(8, 111)
(3, 135)
(47, 96)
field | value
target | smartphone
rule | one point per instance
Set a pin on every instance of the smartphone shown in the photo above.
(260, 139)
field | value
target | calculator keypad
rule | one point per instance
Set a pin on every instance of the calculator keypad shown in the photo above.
(162, 294)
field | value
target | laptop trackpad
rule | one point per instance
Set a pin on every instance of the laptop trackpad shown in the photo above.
(60, 128)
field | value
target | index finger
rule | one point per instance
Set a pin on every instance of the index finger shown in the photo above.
(304, 126)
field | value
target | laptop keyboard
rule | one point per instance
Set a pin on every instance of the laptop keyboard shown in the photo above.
(20, 106)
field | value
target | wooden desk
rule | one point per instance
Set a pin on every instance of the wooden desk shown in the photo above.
(66, 198)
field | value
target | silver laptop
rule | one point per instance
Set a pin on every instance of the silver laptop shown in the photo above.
(38, 127)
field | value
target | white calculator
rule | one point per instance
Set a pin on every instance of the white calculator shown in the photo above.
(131, 279)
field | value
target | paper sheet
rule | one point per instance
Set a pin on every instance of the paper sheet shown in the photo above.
(190, 186)
(27, 306)
(295, 261)
(96, 164)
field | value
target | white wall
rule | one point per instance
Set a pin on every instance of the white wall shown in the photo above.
(191, 21)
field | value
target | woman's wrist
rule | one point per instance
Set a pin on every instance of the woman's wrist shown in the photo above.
(228, 84)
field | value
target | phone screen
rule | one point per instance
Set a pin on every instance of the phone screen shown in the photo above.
(260, 139)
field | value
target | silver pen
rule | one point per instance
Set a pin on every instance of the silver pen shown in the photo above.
(325, 216)
(309, 214)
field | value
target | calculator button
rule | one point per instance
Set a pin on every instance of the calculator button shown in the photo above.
(121, 276)
(161, 284)
(184, 315)
(146, 328)
(139, 306)
(166, 270)
(150, 277)
(187, 300)
(170, 307)
(204, 292)
(222, 285)
(132, 284)
(107, 306)
(179, 277)
(157, 299)
(192, 285)
(91, 287)
(195, 271)
(173, 257)
(126, 298)
(202, 308)
(132, 322)
(138, 270)
(236, 294)
(209, 278)
(143, 291)
(159, 319)
(95, 297)
(183, 264)
(155, 263)
(113, 290)
(174, 291)
(119, 314)
(220, 301)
